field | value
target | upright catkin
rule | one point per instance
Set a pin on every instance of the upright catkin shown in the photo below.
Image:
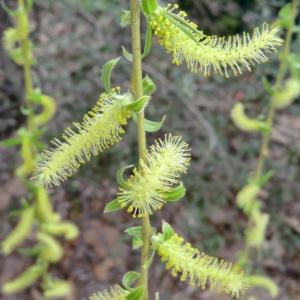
(164, 163)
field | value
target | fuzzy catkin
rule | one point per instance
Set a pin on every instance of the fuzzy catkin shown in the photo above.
(211, 54)
(200, 269)
(164, 163)
(100, 129)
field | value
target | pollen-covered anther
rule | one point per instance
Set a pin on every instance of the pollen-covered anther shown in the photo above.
(198, 268)
(165, 161)
(100, 129)
(211, 54)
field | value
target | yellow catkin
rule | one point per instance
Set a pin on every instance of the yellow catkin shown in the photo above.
(44, 208)
(243, 122)
(165, 162)
(211, 54)
(67, 229)
(100, 129)
(198, 268)
(49, 108)
(256, 231)
(247, 197)
(24, 280)
(20, 232)
(51, 250)
(286, 95)
(265, 283)
(57, 289)
(114, 293)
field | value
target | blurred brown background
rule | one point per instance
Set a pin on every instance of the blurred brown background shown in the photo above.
(73, 39)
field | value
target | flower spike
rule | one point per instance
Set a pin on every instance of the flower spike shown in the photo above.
(201, 269)
(211, 54)
(100, 129)
(144, 191)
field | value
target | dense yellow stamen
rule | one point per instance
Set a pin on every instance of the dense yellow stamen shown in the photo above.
(212, 54)
(100, 129)
(164, 163)
(200, 269)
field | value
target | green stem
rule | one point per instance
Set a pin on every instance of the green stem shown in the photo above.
(25, 44)
(137, 89)
(264, 150)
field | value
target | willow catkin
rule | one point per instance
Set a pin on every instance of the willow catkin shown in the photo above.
(211, 54)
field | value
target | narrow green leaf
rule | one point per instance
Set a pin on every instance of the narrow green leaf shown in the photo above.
(127, 54)
(10, 142)
(175, 194)
(138, 104)
(112, 206)
(106, 73)
(150, 260)
(136, 234)
(182, 24)
(148, 41)
(120, 176)
(167, 230)
(264, 179)
(134, 231)
(36, 96)
(285, 16)
(149, 87)
(153, 126)
(129, 278)
(136, 294)
(149, 6)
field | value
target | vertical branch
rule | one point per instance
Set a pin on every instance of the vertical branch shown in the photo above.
(23, 24)
(264, 150)
(137, 90)
(25, 44)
